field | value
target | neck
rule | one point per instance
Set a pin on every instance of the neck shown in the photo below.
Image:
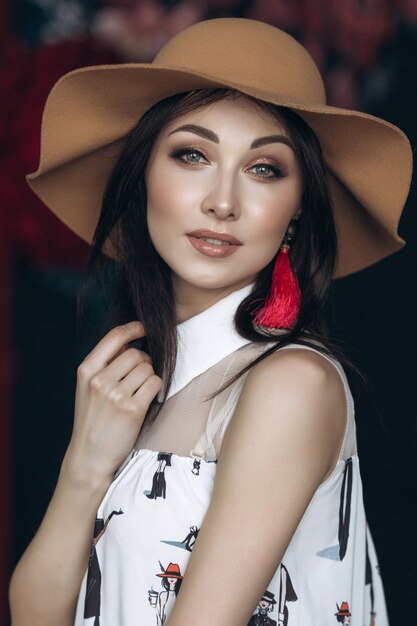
(191, 300)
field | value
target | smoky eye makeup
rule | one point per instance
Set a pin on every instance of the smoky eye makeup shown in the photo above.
(280, 163)
(265, 168)
(262, 168)
(180, 154)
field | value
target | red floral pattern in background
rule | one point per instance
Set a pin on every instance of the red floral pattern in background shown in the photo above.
(344, 37)
(26, 83)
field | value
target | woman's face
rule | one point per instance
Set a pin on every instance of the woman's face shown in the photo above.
(227, 167)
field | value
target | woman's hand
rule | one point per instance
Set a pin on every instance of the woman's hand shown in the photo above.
(115, 386)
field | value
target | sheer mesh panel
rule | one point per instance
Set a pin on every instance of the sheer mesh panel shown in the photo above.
(183, 417)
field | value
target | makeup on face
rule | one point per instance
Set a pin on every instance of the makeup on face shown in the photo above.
(209, 247)
(266, 163)
(222, 183)
(211, 136)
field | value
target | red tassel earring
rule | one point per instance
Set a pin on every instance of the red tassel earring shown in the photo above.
(282, 304)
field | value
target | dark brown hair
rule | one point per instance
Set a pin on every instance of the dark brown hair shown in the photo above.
(143, 287)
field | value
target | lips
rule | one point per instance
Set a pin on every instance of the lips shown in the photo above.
(212, 234)
(202, 241)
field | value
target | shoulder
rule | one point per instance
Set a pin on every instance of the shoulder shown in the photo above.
(295, 362)
(295, 371)
(298, 397)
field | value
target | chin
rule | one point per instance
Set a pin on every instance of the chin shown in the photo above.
(206, 284)
(219, 284)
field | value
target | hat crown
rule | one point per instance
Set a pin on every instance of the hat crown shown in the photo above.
(273, 60)
(173, 568)
(343, 609)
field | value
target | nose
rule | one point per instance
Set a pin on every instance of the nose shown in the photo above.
(221, 198)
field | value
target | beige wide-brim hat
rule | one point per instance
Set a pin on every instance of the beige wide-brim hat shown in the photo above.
(90, 110)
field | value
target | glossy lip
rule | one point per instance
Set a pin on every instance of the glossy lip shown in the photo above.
(205, 232)
(211, 249)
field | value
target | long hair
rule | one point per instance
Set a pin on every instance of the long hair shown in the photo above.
(143, 288)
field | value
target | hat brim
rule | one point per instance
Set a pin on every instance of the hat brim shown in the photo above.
(89, 112)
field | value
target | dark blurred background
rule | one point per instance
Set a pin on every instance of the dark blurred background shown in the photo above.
(367, 53)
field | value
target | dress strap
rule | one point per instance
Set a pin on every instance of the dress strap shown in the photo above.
(218, 421)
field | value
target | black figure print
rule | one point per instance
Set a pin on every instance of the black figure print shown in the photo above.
(337, 553)
(286, 594)
(188, 542)
(344, 510)
(343, 614)
(369, 581)
(196, 467)
(93, 587)
(265, 605)
(158, 483)
(165, 600)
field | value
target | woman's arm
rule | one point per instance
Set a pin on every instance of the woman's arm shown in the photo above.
(281, 443)
(115, 387)
(47, 579)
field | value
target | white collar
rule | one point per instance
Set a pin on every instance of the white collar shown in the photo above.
(206, 339)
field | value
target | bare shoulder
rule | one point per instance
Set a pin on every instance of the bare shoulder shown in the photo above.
(292, 363)
(295, 391)
(306, 373)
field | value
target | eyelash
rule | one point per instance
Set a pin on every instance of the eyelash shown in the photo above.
(177, 154)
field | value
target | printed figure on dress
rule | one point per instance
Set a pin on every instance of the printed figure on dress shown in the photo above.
(163, 600)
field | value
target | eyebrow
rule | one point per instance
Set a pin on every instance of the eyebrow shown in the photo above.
(208, 134)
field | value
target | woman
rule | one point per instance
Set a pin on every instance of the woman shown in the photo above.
(171, 580)
(233, 417)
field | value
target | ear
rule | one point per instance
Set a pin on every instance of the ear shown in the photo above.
(296, 216)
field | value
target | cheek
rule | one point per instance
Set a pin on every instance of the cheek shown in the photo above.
(170, 211)
(271, 210)
(161, 210)
(268, 225)
(170, 196)
(158, 195)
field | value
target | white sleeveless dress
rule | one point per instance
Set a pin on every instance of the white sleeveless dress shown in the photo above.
(150, 517)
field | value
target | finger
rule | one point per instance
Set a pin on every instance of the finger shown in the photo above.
(106, 349)
(135, 378)
(123, 364)
(123, 349)
(147, 391)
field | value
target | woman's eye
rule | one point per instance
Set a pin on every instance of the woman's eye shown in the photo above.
(265, 170)
(188, 155)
